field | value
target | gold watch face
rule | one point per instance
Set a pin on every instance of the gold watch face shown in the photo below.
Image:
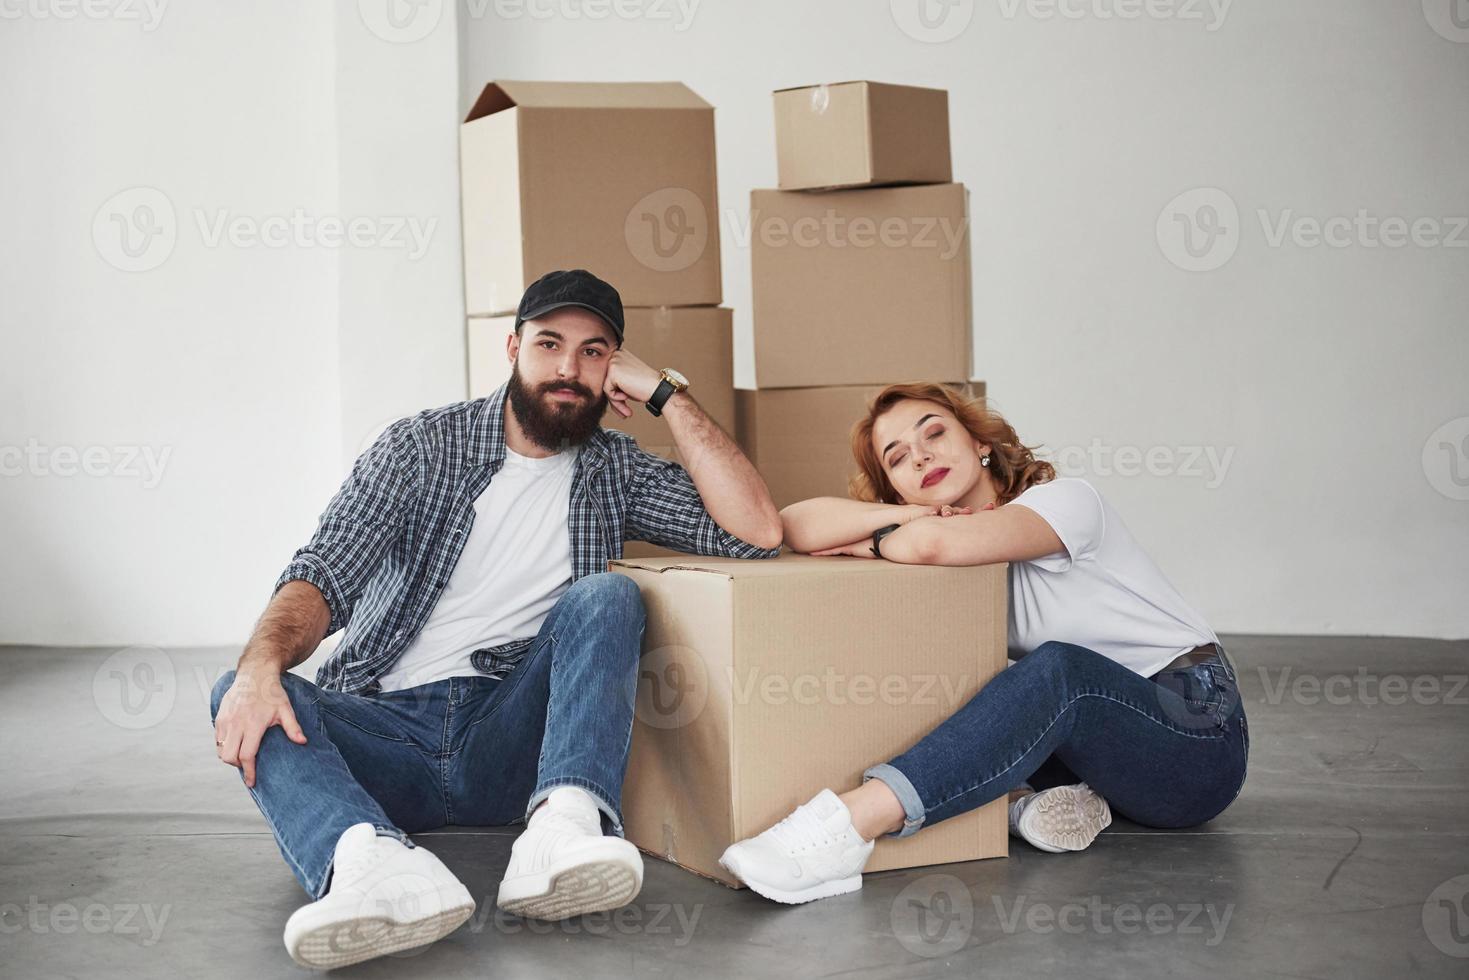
(676, 378)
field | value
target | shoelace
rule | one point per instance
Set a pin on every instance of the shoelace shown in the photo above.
(800, 831)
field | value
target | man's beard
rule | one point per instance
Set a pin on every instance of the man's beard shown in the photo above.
(551, 423)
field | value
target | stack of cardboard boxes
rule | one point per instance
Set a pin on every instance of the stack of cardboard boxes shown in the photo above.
(860, 270)
(615, 178)
(763, 681)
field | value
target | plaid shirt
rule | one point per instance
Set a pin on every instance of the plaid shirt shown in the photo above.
(386, 544)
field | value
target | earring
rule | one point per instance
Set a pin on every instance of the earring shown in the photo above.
(984, 461)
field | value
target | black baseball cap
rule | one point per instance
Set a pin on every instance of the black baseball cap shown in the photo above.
(571, 287)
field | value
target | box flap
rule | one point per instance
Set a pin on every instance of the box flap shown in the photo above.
(856, 81)
(682, 563)
(797, 88)
(502, 94)
(789, 563)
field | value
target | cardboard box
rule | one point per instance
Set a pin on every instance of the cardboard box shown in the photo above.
(858, 286)
(615, 178)
(697, 340)
(800, 439)
(860, 133)
(763, 681)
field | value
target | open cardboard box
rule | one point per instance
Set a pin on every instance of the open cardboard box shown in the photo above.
(617, 178)
(763, 681)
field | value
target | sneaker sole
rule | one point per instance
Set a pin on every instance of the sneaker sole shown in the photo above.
(1065, 818)
(342, 942)
(586, 884)
(827, 889)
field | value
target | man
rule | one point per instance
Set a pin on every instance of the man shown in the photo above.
(489, 666)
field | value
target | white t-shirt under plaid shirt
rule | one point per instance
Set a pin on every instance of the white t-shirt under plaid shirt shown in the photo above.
(520, 526)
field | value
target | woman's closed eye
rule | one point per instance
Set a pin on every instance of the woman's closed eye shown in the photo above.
(931, 434)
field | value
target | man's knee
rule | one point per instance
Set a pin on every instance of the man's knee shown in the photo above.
(606, 591)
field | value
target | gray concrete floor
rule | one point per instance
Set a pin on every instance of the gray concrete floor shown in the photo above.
(126, 849)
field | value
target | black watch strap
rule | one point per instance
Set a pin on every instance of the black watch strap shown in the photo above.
(661, 394)
(879, 534)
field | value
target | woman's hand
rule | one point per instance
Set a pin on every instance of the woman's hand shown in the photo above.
(912, 512)
(863, 548)
(904, 513)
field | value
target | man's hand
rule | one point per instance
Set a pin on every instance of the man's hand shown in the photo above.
(254, 702)
(628, 377)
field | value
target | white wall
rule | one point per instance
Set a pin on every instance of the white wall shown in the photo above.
(261, 370)
(1320, 371)
(257, 369)
(401, 309)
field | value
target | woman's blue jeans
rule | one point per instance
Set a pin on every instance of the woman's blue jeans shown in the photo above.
(471, 751)
(1166, 751)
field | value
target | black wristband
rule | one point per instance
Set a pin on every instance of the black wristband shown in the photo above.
(660, 397)
(879, 534)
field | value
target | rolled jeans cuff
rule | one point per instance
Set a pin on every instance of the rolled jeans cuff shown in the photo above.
(612, 819)
(913, 812)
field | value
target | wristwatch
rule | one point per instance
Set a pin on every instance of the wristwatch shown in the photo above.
(672, 384)
(879, 534)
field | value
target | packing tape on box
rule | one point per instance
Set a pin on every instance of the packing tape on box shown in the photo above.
(820, 98)
(662, 318)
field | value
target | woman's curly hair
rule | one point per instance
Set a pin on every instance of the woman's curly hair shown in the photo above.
(1013, 465)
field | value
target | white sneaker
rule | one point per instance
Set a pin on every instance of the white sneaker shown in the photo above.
(563, 865)
(1062, 818)
(384, 897)
(813, 853)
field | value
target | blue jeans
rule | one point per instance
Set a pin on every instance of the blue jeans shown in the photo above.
(471, 751)
(1165, 751)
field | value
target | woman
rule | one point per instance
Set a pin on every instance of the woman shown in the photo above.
(1122, 694)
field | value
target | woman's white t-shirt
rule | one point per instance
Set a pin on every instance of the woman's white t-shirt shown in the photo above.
(1103, 592)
